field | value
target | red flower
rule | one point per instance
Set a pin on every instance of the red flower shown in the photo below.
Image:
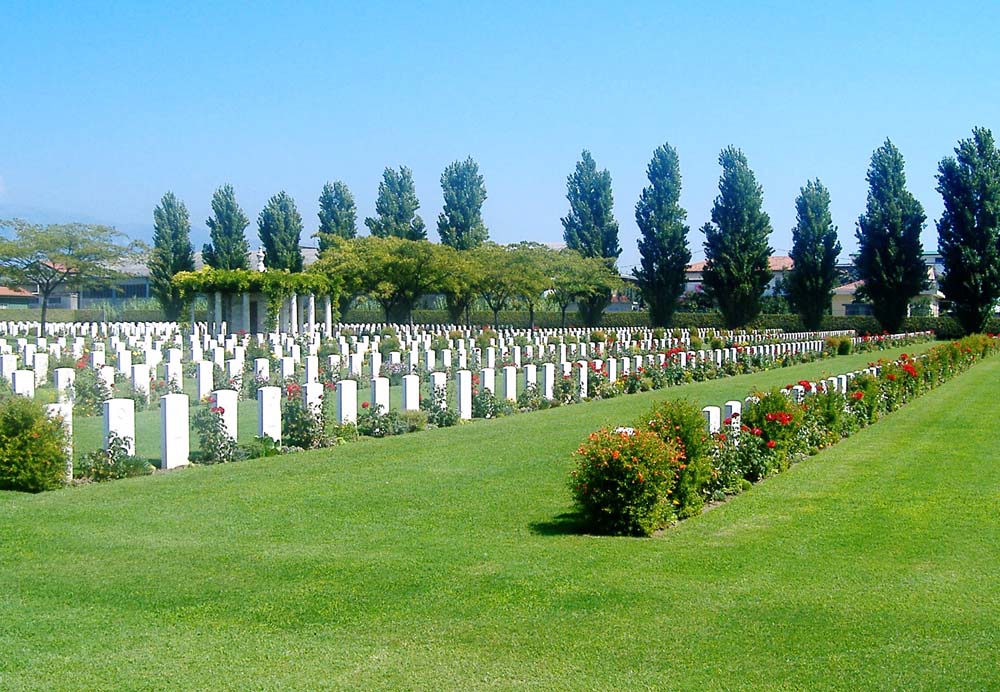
(771, 444)
(365, 404)
(728, 421)
(903, 356)
(891, 377)
(758, 432)
(858, 395)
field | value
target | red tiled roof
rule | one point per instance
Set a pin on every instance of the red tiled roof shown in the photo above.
(775, 263)
(13, 292)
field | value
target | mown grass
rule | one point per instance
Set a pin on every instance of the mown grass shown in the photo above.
(449, 559)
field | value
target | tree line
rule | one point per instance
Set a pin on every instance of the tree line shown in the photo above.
(889, 260)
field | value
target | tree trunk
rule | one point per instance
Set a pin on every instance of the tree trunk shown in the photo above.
(531, 316)
(562, 324)
(45, 312)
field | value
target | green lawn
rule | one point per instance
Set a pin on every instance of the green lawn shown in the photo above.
(446, 560)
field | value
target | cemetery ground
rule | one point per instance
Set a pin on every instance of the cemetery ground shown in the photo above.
(450, 559)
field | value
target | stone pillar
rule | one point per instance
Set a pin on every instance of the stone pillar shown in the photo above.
(64, 378)
(510, 383)
(24, 383)
(312, 396)
(411, 393)
(347, 401)
(327, 316)
(464, 394)
(311, 313)
(217, 314)
(380, 393)
(293, 309)
(713, 418)
(227, 400)
(245, 313)
(205, 379)
(269, 413)
(175, 436)
(119, 419)
(548, 380)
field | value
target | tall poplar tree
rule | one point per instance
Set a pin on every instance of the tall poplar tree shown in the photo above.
(969, 229)
(172, 253)
(736, 246)
(229, 248)
(815, 248)
(338, 215)
(890, 256)
(663, 247)
(460, 223)
(396, 207)
(280, 227)
(590, 227)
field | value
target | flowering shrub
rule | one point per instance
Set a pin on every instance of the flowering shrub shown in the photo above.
(302, 426)
(738, 461)
(112, 463)
(485, 404)
(375, 421)
(779, 419)
(32, 447)
(681, 423)
(436, 408)
(623, 482)
(217, 446)
(89, 393)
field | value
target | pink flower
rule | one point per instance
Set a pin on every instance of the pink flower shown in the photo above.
(365, 404)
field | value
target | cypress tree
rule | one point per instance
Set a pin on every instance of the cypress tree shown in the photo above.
(172, 252)
(815, 249)
(280, 227)
(229, 248)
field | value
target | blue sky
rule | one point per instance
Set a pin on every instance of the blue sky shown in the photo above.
(104, 107)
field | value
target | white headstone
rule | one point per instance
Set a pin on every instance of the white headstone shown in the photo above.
(175, 437)
(269, 413)
(463, 393)
(380, 393)
(713, 418)
(119, 419)
(347, 401)
(411, 392)
(227, 400)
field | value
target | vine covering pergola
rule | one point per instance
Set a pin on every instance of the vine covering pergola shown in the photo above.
(277, 290)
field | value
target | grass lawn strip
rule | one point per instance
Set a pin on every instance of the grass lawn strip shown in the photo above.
(439, 560)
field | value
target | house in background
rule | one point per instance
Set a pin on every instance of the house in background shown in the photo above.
(778, 264)
(15, 298)
(846, 303)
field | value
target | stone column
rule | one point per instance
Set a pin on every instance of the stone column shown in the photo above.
(175, 439)
(218, 312)
(269, 413)
(293, 323)
(327, 316)
(411, 392)
(119, 419)
(311, 313)
(245, 314)
(464, 394)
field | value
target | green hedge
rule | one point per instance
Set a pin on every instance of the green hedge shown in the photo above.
(88, 315)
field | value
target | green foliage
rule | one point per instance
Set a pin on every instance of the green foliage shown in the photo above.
(680, 422)
(736, 242)
(89, 392)
(49, 257)
(375, 421)
(112, 463)
(486, 404)
(890, 254)
(623, 482)
(437, 410)
(663, 247)
(969, 229)
(216, 444)
(228, 248)
(32, 447)
(460, 223)
(815, 249)
(280, 226)
(172, 253)
(301, 425)
(338, 215)
(396, 207)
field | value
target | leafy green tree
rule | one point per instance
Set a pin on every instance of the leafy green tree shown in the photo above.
(342, 260)
(460, 224)
(338, 215)
(280, 227)
(76, 256)
(229, 248)
(815, 248)
(396, 207)
(890, 256)
(461, 284)
(575, 278)
(396, 272)
(736, 248)
(498, 282)
(172, 253)
(969, 229)
(663, 247)
(533, 263)
(590, 227)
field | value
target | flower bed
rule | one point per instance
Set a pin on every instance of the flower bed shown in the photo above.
(772, 431)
